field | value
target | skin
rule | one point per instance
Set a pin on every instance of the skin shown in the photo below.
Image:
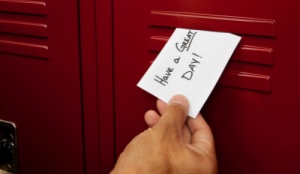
(173, 144)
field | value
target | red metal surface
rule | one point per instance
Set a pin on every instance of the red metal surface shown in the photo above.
(30, 7)
(43, 96)
(89, 85)
(97, 52)
(234, 24)
(253, 111)
(105, 84)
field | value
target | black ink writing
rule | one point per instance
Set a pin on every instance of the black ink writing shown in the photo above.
(188, 75)
(163, 80)
(196, 55)
(187, 41)
(176, 60)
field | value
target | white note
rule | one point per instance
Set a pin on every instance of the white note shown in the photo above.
(190, 64)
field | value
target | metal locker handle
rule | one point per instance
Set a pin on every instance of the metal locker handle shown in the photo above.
(8, 154)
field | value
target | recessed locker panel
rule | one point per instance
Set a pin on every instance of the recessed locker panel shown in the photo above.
(40, 84)
(253, 111)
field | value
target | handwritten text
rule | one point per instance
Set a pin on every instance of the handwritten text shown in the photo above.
(187, 41)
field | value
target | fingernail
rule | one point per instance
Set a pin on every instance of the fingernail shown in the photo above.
(179, 99)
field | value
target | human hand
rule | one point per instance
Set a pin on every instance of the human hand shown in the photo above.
(173, 144)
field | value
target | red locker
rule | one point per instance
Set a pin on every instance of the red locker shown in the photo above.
(49, 69)
(253, 110)
(68, 74)
(40, 85)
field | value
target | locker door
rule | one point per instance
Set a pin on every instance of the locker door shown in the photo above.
(253, 111)
(40, 83)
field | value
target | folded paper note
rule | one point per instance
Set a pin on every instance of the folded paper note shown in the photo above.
(190, 64)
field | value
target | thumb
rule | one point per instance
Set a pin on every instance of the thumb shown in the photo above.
(174, 116)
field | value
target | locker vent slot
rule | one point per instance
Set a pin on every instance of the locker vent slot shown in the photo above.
(233, 24)
(251, 64)
(244, 53)
(23, 28)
